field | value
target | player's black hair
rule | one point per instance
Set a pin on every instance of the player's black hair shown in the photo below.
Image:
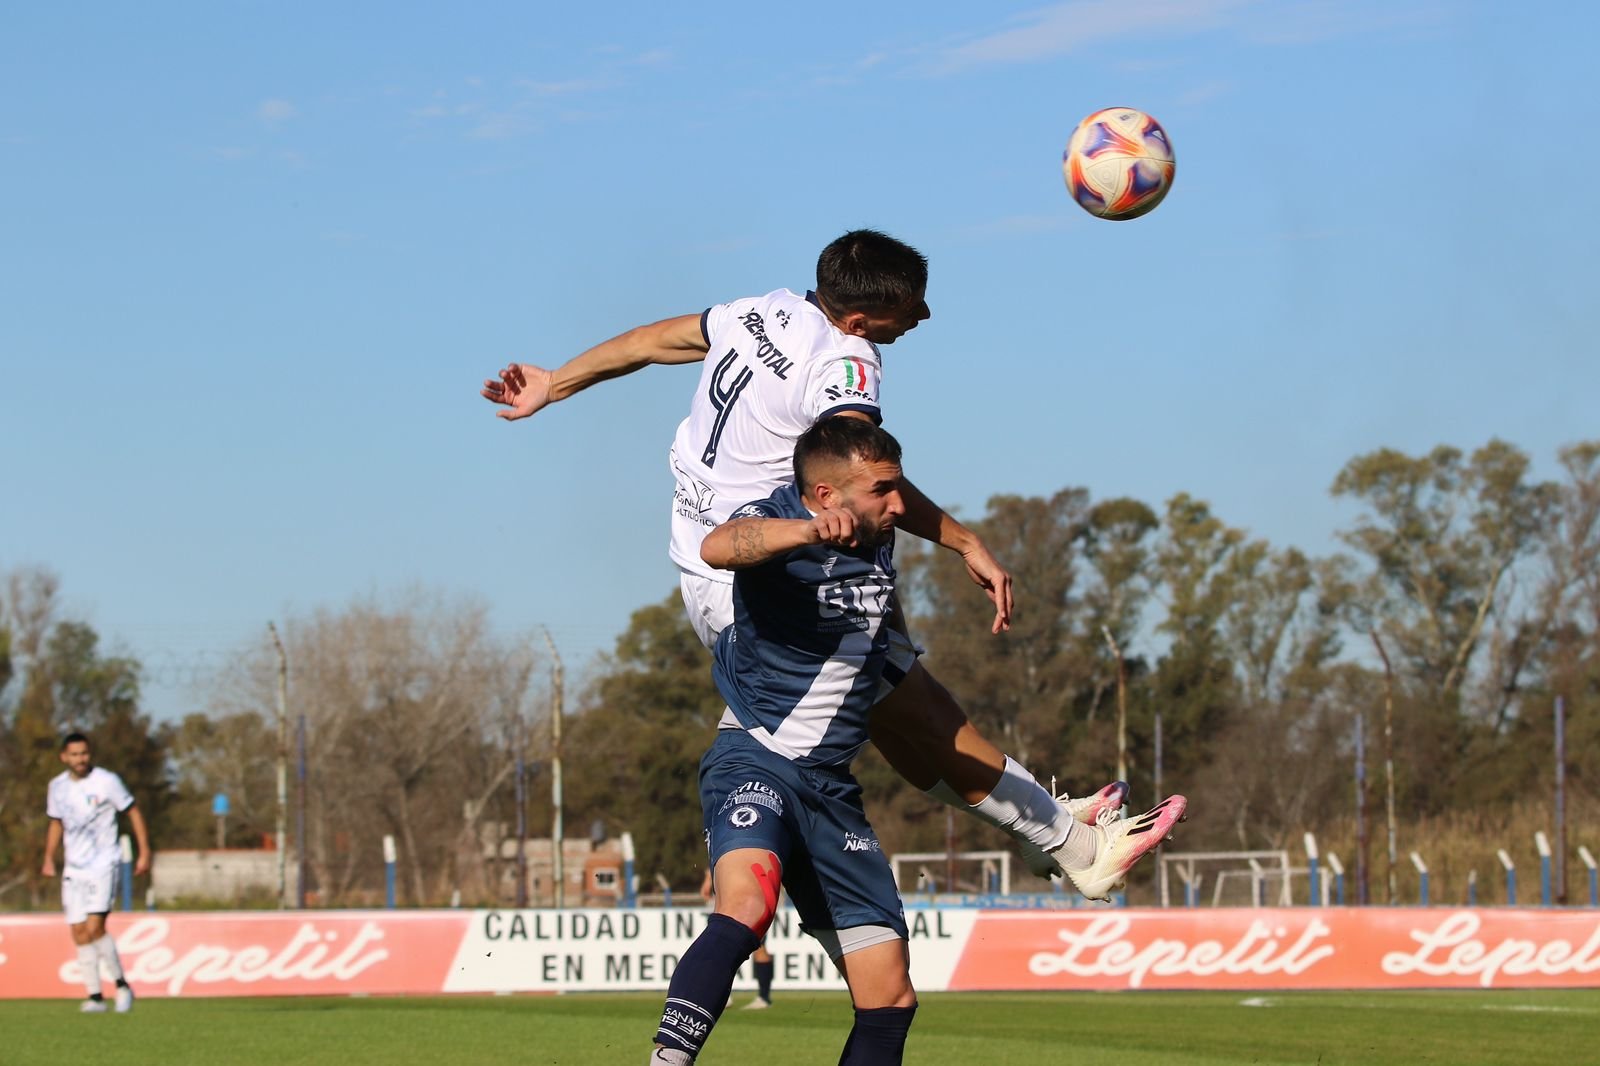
(841, 439)
(870, 271)
(74, 738)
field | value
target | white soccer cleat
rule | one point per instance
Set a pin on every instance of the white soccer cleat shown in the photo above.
(757, 1004)
(92, 1006)
(1123, 842)
(1086, 809)
(124, 999)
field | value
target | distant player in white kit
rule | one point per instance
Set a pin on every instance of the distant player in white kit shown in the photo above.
(83, 804)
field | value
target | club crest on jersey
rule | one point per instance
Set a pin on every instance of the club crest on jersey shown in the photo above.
(744, 817)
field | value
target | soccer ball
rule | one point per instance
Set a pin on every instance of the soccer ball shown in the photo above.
(1118, 163)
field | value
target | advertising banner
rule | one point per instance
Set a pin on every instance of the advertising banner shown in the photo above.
(432, 952)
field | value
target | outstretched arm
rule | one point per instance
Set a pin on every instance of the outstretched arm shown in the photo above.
(527, 389)
(926, 519)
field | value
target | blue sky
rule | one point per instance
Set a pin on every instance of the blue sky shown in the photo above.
(257, 258)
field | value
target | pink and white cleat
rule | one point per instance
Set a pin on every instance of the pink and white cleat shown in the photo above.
(1087, 809)
(1123, 842)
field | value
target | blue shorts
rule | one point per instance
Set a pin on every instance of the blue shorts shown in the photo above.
(835, 873)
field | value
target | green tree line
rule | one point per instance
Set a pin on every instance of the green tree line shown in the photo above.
(1478, 584)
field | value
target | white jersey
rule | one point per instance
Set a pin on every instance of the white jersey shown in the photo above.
(776, 364)
(87, 809)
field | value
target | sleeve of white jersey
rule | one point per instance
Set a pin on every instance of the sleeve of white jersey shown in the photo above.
(711, 320)
(121, 798)
(52, 809)
(844, 383)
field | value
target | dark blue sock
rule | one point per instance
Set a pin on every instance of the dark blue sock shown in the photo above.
(879, 1037)
(763, 979)
(700, 985)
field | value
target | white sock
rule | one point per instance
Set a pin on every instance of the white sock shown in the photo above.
(1077, 851)
(107, 948)
(1019, 805)
(89, 963)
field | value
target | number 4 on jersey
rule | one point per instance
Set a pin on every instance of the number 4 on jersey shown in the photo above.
(722, 394)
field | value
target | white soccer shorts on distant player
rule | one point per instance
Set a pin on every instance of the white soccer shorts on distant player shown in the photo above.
(86, 892)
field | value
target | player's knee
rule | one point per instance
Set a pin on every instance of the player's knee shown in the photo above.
(755, 902)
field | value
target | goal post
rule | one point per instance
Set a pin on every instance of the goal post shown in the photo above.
(1233, 878)
(985, 873)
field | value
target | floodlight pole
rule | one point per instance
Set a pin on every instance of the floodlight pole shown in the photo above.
(1388, 761)
(1561, 799)
(281, 830)
(300, 815)
(1362, 896)
(521, 792)
(1122, 706)
(1161, 867)
(557, 676)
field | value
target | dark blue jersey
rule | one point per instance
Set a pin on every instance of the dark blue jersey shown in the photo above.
(800, 664)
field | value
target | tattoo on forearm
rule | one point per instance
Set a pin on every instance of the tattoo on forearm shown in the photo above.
(749, 542)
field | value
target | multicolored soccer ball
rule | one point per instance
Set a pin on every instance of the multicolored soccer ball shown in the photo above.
(1118, 163)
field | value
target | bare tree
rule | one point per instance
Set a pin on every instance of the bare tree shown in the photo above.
(407, 702)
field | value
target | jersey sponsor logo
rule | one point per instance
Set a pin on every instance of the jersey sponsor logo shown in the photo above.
(749, 510)
(783, 318)
(828, 565)
(766, 353)
(851, 603)
(853, 842)
(679, 1021)
(704, 495)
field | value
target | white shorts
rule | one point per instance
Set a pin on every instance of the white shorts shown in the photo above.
(86, 892)
(709, 605)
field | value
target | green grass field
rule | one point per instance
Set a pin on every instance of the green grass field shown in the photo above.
(807, 1029)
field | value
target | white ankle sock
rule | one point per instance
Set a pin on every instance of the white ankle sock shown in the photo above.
(89, 963)
(107, 948)
(1078, 850)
